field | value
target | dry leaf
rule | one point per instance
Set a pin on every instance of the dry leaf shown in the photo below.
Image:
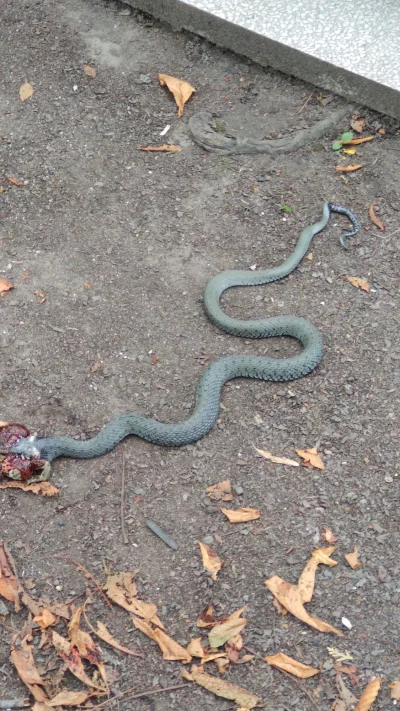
(165, 148)
(233, 648)
(89, 71)
(71, 657)
(87, 285)
(358, 141)
(241, 515)
(25, 665)
(5, 285)
(95, 367)
(382, 131)
(349, 151)
(352, 558)
(222, 664)
(45, 618)
(345, 669)
(374, 218)
(345, 694)
(206, 618)
(211, 561)
(329, 536)
(395, 690)
(306, 580)
(359, 283)
(311, 458)
(290, 597)
(9, 586)
(41, 295)
(171, 650)
(194, 648)
(358, 123)
(181, 90)
(154, 359)
(277, 460)
(69, 698)
(25, 91)
(221, 491)
(223, 688)
(38, 487)
(106, 636)
(280, 609)
(369, 695)
(13, 181)
(348, 168)
(121, 589)
(223, 632)
(85, 645)
(282, 661)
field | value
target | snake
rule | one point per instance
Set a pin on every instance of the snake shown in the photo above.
(211, 382)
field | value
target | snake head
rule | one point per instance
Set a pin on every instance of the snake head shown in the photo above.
(26, 447)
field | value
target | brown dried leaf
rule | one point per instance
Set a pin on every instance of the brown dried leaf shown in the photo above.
(358, 141)
(9, 586)
(374, 218)
(359, 283)
(25, 665)
(206, 618)
(280, 609)
(311, 458)
(181, 90)
(395, 690)
(45, 618)
(222, 664)
(25, 91)
(165, 148)
(85, 645)
(241, 515)
(282, 661)
(211, 561)
(5, 285)
(71, 657)
(369, 695)
(95, 367)
(121, 589)
(345, 694)
(69, 698)
(194, 648)
(13, 181)
(171, 650)
(222, 688)
(89, 71)
(38, 487)
(223, 632)
(221, 491)
(306, 580)
(277, 460)
(106, 636)
(329, 536)
(348, 168)
(358, 123)
(352, 558)
(290, 597)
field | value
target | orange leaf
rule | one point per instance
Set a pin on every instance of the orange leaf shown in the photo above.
(374, 218)
(121, 589)
(241, 515)
(211, 561)
(8, 583)
(206, 618)
(181, 90)
(85, 645)
(221, 491)
(358, 141)
(358, 123)
(277, 460)
(89, 71)
(359, 283)
(395, 693)
(382, 131)
(348, 168)
(38, 487)
(5, 285)
(312, 460)
(71, 657)
(45, 618)
(69, 698)
(306, 580)
(290, 597)
(25, 91)
(352, 559)
(18, 183)
(329, 536)
(282, 661)
(369, 695)
(165, 148)
(223, 688)
(25, 665)
(224, 631)
(171, 650)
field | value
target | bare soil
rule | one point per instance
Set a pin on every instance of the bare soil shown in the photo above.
(122, 244)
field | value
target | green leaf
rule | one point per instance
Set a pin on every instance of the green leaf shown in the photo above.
(286, 208)
(346, 137)
(336, 145)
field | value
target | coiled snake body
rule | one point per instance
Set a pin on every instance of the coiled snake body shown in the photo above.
(212, 380)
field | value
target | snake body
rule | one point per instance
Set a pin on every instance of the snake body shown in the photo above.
(212, 380)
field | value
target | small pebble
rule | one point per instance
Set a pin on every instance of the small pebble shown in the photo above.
(61, 521)
(238, 490)
(346, 623)
(139, 491)
(208, 540)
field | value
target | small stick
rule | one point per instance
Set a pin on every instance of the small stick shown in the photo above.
(305, 103)
(87, 572)
(124, 536)
(137, 696)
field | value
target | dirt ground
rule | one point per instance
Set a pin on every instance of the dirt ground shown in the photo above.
(122, 244)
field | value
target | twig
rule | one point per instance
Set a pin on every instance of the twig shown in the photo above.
(124, 536)
(137, 696)
(301, 687)
(305, 103)
(87, 572)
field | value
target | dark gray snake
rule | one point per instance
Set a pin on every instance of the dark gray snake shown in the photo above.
(212, 380)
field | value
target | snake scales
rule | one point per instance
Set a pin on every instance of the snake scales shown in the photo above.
(212, 380)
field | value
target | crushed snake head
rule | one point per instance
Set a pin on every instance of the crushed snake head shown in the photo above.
(16, 467)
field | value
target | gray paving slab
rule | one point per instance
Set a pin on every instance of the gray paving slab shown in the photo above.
(350, 48)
